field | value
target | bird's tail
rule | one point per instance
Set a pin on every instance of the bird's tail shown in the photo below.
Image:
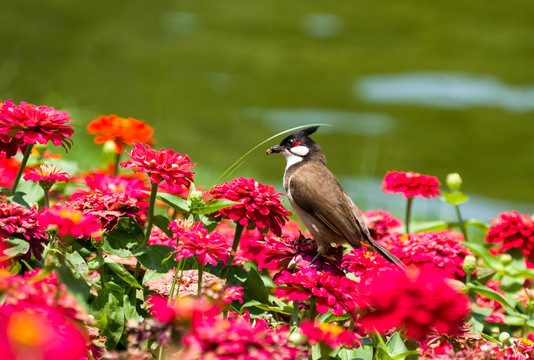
(385, 253)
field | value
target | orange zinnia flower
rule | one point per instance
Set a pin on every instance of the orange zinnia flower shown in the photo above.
(121, 131)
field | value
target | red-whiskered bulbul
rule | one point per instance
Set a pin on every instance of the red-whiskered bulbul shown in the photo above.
(319, 200)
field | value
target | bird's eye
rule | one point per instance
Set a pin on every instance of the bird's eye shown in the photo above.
(296, 143)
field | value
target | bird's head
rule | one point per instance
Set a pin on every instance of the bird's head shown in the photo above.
(298, 146)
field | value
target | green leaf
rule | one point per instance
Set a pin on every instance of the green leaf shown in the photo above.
(430, 226)
(213, 206)
(177, 203)
(77, 287)
(122, 272)
(108, 307)
(477, 224)
(18, 197)
(255, 288)
(364, 352)
(156, 257)
(18, 247)
(454, 198)
(163, 224)
(124, 237)
(395, 346)
(491, 294)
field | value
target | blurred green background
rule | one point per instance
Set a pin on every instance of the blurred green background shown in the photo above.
(432, 87)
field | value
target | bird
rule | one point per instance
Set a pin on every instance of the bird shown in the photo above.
(321, 203)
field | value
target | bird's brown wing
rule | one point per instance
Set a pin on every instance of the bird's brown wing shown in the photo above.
(316, 191)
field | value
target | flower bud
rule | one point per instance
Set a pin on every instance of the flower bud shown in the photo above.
(196, 197)
(530, 306)
(454, 181)
(470, 264)
(504, 337)
(506, 259)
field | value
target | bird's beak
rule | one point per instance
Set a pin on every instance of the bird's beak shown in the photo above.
(274, 149)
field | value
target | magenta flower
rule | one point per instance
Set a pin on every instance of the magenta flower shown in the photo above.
(411, 184)
(420, 302)
(513, 230)
(25, 124)
(70, 223)
(21, 223)
(209, 247)
(380, 223)
(432, 250)
(233, 293)
(8, 169)
(185, 311)
(363, 263)
(329, 334)
(46, 175)
(259, 204)
(335, 293)
(235, 338)
(161, 165)
(108, 209)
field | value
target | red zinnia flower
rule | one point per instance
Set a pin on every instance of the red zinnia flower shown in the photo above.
(46, 175)
(497, 315)
(209, 247)
(259, 204)
(422, 303)
(161, 165)
(8, 170)
(21, 223)
(380, 223)
(121, 131)
(513, 230)
(411, 184)
(438, 250)
(233, 293)
(70, 223)
(29, 124)
(107, 208)
(186, 311)
(335, 293)
(329, 334)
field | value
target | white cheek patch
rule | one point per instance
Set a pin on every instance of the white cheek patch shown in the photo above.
(292, 159)
(300, 150)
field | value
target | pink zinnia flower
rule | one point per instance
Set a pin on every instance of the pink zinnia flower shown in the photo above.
(497, 315)
(259, 204)
(70, 223)
(380, 223)
(329, 334)
(40, 332)
(46, 175)
(439, 250)
(161, 165)
(411, 184)
(361, 263)
(513, 230)
(209, 247)
(233, 293)
(235, 338)
(186, 311)
(107, 208)
(335, 293)
(21, 223)
(158, 237)
(25, 124)
(421, 302)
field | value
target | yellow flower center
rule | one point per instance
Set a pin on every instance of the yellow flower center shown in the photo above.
(26, 329)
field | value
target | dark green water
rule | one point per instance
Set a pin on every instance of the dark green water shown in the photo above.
(433, 87)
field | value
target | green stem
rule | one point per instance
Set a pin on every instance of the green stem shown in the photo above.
(237, 237)
(46, 197)
(462, 223)
(408, 213)
(101, 257)
(200, 271)
(148, 231)
(51, 240)
(313, 308)
(178, 265)
(180, 280)
(23, 163)
(295, 315)
(117, 161)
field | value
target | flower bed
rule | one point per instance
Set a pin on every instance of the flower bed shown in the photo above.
(134, 261)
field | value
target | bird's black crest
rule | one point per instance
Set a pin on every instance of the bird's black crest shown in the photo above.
(310, 130)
